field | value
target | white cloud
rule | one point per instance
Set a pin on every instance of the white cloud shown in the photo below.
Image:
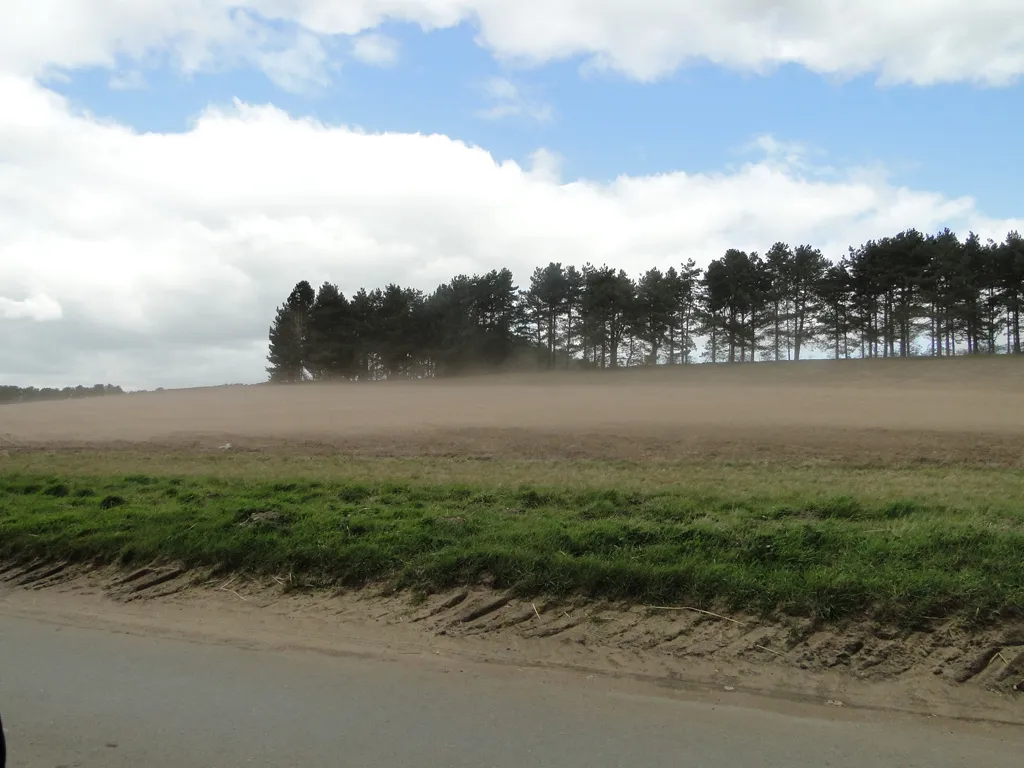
(193, 35)
(918, 41)
(375, 49)
(38, 307)
(296, 63)
(132, 80)
(166, 254)
(546, 165)
(508, 100)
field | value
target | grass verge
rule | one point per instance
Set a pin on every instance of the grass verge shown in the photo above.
(739, 482)
(904, 559)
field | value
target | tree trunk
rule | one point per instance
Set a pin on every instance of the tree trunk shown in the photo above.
(797, 342)
(551, 337)
(1016, 327)
(778, 333)
(732, 339)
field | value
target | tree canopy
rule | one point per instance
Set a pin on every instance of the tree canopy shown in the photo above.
(900, 296)
(13, 394)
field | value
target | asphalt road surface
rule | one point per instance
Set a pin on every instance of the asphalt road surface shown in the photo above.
(87, 697)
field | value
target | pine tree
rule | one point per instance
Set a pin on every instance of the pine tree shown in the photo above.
(805, 275)
(653, 310)
(331, 337)
(547, 302)
(778, 265)
(289, 336)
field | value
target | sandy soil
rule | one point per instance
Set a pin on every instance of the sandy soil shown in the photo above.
(857, 666)
(876, 410)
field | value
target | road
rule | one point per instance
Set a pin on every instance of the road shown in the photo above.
(93, 697)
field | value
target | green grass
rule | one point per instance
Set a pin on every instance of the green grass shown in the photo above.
(925, 546)
(960, 487)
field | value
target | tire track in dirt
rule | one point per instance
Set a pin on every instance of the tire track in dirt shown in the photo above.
(991, 660)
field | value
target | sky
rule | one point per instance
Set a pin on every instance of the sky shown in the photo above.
(169, 169)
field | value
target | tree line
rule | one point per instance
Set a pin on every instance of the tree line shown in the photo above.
(12, 394)
(906, 295)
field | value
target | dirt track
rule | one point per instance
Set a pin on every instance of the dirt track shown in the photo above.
(111, 690)
(947, 672)
(959, 410)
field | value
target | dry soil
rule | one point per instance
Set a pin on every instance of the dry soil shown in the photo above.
(888, 411)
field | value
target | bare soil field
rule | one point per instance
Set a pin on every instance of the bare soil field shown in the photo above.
(877, 411)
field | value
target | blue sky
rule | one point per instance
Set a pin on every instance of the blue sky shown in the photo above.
(958, 139)
(172, 168)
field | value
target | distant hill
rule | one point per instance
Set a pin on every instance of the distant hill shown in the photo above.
(12, 394)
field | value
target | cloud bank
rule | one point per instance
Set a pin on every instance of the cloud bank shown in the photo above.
(910, 41)
(148, 259)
